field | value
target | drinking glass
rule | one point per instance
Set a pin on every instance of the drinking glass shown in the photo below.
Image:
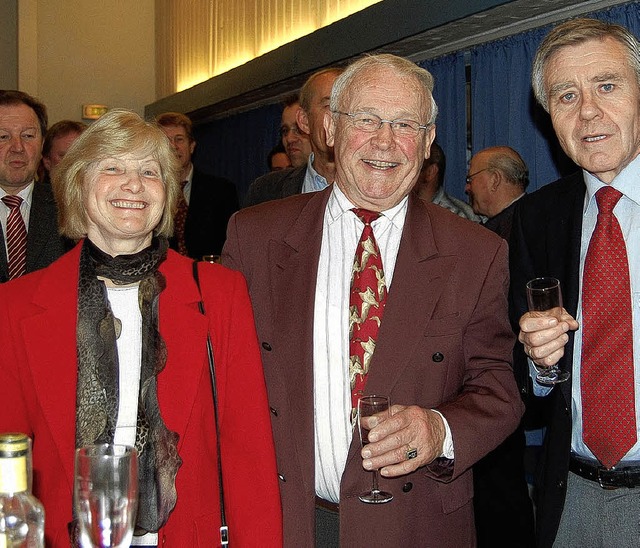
(544, 295)
(106, 494)
(368, 406)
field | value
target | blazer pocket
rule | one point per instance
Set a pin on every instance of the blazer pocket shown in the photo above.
(456, 494)
(448, 324)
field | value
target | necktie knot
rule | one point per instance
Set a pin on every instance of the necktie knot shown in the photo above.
(365, 215)
(12, 201)
(607, 198)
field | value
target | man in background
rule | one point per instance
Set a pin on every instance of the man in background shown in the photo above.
(430, 185)
(277, 158)
(207, 202)
(28, 213)
(295, 141)
(497, 179)
(319, 170)
(363, 288)
(584, 230)
(59, 137)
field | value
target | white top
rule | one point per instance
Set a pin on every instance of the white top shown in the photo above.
(124, 305)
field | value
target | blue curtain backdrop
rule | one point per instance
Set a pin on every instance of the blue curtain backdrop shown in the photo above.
(236, 147)
(503, 110)
(449, 93)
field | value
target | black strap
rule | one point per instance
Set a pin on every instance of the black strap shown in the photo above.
(224, 528)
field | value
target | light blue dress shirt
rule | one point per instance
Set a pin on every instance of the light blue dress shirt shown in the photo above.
(313, 181)
(627, 211)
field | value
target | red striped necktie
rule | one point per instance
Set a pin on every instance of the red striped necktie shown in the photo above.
(16, 237)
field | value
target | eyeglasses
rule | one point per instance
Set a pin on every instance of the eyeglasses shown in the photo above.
(285, 130)
(470, 177)
(369, 123)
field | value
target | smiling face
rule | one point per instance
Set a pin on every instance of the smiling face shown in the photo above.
(20, 146)
(377, 170)
(594, 103)
(124, 199)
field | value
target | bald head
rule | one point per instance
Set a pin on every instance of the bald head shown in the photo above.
(497, 176)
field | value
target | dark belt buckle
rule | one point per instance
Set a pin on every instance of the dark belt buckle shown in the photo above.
(601, 481)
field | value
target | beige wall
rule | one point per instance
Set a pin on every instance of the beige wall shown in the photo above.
(8, 44)
(75, 52)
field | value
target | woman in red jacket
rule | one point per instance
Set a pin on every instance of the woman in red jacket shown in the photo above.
(107, 345)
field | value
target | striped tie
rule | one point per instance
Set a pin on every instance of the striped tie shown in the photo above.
(16, 237)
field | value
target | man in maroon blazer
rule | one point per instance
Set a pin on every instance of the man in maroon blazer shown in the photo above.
(443, 349)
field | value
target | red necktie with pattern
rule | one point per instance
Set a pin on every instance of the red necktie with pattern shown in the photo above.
(366, 305)
(607, 383)
(16, 237)
(180, 219)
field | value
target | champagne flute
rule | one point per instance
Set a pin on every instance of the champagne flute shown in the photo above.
(106, 494)
(368, 406)
(544, 295)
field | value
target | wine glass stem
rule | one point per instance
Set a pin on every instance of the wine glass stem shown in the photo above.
(374, 482)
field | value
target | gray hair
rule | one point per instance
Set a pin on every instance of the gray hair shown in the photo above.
(573, 33)
(510, 164)
(403, 67)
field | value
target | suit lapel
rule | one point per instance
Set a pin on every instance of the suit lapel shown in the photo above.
(42, 224)
(293, 265)
(50, 342)
(184, 331)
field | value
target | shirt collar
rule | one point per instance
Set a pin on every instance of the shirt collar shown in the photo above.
(626, 182)
(339, 204)
(25, 193)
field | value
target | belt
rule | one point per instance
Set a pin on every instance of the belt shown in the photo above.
(607, 479)
(327, 505)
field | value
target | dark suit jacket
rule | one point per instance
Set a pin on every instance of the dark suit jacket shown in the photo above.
(44, 244)
(276, 184)
(501, 223)
(444, 343)
(545, 241)
(213, 200)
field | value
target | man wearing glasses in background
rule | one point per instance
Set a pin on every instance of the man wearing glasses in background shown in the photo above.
(431, 291)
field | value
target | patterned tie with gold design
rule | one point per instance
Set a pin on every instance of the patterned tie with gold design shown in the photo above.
(366, 306)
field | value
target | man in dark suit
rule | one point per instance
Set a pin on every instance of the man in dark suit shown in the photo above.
(586, 76)
(208, 201)
(23, 123)
(442, 350)
(319, 171)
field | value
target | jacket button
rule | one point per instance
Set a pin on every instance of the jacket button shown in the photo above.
(560, 484)
(437, 357)
(282, 478)
(274, 411)
(266, 346)
(407, 487)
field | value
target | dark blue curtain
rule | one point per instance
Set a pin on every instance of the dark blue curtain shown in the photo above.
(451, 126)
(503, 110)
(236, 147)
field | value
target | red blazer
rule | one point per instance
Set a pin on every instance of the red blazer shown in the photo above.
(38, 392)
(445, 342)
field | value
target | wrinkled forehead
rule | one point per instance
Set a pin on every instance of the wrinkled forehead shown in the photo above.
(388, 91)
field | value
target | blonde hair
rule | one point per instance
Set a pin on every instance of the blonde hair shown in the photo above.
(117, 133)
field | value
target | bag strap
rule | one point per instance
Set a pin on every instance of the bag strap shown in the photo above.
(224, 528)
